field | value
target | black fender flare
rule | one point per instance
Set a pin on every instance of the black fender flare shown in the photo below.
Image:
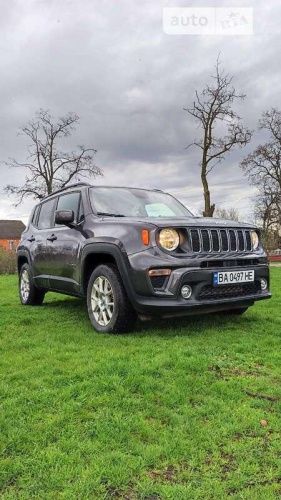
(120, 256)
(26, 255)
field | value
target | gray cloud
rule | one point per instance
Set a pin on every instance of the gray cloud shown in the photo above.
(128, 81)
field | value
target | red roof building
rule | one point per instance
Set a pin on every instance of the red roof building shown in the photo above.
(10, 233)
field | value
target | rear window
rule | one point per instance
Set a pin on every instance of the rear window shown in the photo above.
(34, 219)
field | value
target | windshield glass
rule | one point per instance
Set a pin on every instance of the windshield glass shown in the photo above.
(135, 203)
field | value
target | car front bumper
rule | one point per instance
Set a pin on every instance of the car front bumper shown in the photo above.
(167, 301)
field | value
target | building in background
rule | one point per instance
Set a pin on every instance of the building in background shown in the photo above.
(10, 233)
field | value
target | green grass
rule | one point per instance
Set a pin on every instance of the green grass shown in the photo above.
(171, 411)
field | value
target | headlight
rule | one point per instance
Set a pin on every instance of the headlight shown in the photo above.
(169, 239)
(255, 239)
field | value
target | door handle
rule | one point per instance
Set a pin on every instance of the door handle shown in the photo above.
(52, 237)
(31, 239)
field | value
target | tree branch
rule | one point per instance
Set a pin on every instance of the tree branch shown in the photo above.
(48, 168)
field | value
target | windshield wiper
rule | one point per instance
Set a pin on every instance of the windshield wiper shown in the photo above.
(110, 215)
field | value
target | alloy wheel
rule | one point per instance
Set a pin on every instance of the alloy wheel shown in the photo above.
(24, 285)
(102, 301)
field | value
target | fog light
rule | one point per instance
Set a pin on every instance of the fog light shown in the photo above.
(186, 291)
(263, 284)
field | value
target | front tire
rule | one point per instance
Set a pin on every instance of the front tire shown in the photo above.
(109, 308)
(29, 294)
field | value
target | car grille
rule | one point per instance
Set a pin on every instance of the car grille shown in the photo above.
(214, 264)
(220, 240)
(209, 292)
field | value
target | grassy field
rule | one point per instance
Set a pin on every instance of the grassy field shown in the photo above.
(186, 409)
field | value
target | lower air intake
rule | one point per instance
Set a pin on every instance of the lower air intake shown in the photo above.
(209, 292)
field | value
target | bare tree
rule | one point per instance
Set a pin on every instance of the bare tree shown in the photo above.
(227, 213)
(212, 108)
(263, 169)
(48, 168)
(268, 209)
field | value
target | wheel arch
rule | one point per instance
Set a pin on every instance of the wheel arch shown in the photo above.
(22, 258)
(97, 254)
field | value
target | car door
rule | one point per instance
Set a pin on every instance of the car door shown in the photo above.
(38, 243)
(64, 243)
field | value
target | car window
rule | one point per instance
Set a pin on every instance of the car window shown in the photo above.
(136, 203)
(159, 210)
(35, 215)
(70, 201)
(81, 215)
(46, 214)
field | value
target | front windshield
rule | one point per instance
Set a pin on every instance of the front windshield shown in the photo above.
(135, 203)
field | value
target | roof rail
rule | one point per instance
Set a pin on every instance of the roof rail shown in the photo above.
(77, 184)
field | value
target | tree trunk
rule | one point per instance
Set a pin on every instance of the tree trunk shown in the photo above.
(209, 209)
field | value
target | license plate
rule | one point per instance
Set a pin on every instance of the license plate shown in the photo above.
(226, 277)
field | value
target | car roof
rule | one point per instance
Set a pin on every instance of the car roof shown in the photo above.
(86, 184)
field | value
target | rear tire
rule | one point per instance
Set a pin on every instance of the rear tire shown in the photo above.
(109, 308)
(30, 295)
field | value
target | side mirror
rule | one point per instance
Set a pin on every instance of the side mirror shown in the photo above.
(64, 217)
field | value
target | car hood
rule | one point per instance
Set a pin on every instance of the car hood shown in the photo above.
(191, 222)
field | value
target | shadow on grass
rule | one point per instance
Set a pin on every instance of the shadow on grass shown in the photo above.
(64, 302)
(192, 325)
(162, 327)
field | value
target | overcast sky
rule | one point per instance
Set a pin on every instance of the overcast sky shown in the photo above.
(111, 63)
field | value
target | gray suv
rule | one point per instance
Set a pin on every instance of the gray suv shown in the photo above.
(135, 252)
